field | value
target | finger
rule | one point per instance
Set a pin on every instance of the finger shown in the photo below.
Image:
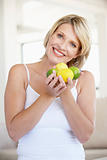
(54, 82)
(50, 78)
(69, 81)
(61, 80)
(54, 72)
(54, 67)
(57, 88)
(60, 86)
(61, 90)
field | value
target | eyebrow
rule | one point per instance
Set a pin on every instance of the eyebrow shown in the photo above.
(70, 40)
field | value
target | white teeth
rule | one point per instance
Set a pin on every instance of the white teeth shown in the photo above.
(58, 52)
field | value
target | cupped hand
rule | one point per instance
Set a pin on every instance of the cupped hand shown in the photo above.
(55, 85)
(70, 83)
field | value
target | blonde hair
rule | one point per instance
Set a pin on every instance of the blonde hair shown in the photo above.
(81, 29)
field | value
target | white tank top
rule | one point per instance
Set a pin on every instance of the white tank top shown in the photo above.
(52, 137)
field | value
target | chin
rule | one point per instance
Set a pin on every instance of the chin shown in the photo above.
(53, 60)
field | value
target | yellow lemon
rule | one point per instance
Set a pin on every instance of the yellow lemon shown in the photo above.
(65, 73)
(61, 65)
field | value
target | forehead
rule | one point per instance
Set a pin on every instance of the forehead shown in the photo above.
(65, 26)
(68, 30)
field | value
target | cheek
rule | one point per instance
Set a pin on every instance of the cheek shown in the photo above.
(48, 47)
(50, 42)
(73, 53)
(53, 40)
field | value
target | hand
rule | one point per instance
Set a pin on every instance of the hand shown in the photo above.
(70, 84)
(55, 85)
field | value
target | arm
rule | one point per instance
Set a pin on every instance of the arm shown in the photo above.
(18, 120)
(81, 115)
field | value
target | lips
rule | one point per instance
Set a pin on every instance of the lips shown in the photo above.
(58, 53)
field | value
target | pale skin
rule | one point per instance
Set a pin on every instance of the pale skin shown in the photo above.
(62, 47)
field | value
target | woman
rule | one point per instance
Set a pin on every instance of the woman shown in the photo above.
(49, 118)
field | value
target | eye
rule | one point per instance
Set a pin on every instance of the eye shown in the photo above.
(73, 45)
(59, 35)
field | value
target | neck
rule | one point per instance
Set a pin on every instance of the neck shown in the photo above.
(43, 66)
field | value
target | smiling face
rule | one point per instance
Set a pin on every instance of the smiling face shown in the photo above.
(63, 45)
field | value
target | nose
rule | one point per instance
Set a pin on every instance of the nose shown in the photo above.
(63, 45)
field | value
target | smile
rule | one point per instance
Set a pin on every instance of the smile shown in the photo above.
(58, 53)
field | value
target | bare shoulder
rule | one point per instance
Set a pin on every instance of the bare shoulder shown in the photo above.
(86, 80)
(17, 69)
(17, 74)
(86, 77)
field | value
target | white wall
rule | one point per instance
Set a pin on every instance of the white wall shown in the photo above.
(10, 51)
(103, 53)
(2, 63)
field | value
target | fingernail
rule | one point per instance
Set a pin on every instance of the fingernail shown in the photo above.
(69, 79)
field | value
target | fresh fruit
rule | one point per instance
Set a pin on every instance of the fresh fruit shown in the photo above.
(51, 71)
(63, 70)
(75, 71)
(61, 66)
(65, 73)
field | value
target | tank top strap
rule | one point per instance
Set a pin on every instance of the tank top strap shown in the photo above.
(76, 82)
(74, 90)
(28, 74)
